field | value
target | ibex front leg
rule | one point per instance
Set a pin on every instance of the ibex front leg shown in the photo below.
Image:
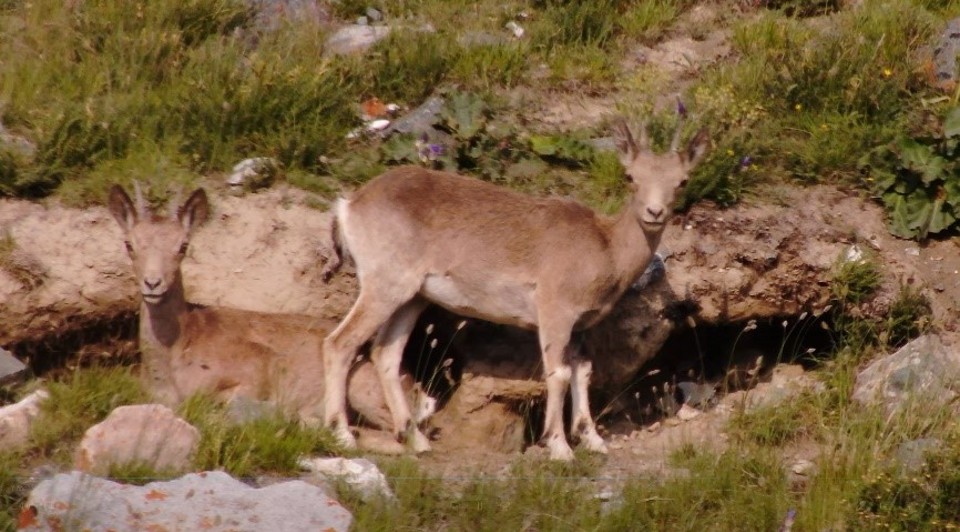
(554, 339)
(387, 355)
(582, 426)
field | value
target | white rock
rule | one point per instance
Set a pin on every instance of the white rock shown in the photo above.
(802, 467)
(359, 473)
(686, 413)
(16, 420)
(378, 125)
(145, 434)
(211, 501)
(355, 38)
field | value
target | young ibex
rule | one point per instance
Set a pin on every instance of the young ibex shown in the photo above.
(229, 353)
(549, 264)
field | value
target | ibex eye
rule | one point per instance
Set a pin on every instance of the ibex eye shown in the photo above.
(183, 248)
(129, 246)
(684, 183)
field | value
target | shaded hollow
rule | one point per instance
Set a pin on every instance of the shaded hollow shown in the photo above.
(481, 363)
(107, 339)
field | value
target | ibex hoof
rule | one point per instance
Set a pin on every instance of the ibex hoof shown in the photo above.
(419, 443)
(345, 438)
(593, 443)
(559, 450)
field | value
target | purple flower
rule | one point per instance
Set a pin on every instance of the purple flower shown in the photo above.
(681, 109)
(427, 151)
(745, 161)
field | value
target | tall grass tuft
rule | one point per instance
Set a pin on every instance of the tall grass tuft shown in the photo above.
(268, 444)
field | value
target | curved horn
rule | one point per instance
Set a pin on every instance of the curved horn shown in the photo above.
(681, 116)
(173, 207)
(140, 203)
(644, 143)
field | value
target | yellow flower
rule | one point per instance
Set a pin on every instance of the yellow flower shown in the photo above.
(887, 72)
(730, 153)
(798, 107)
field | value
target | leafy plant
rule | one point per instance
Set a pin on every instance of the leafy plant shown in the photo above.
(918, 180)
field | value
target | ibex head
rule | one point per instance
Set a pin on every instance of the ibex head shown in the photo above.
(157, 244)
(657, 178)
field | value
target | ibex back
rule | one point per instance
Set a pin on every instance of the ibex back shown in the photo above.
(229, 353)
(420, 236)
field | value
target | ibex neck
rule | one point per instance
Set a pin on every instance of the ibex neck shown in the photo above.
(632, 246)
(160, 323)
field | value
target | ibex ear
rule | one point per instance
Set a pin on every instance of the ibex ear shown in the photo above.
(122, 209)
(626, 145)
(194, 211)
(697, 148)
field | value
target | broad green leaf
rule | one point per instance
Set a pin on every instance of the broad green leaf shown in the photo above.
(921, 159)
(951, 123)
(465, 114)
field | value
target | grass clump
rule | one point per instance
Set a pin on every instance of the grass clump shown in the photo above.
(535, 496)
(806, 101)
(726, 491)
(777, 425)
(82, 399)
(12, 491)
(919, 500)
(272, 443)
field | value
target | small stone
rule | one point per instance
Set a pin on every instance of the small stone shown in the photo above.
(420, 120)
(616, 446)
(802, 467)
(604, 495)
(654, 427)
(696, 394)
(687, 412)
(355, 38)
(254, 173)
(362, 21)
(516, 29)
(16, 420)
(359, 473)
(374, 14)
(11, 369)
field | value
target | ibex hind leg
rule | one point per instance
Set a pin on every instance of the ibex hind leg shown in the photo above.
(387, 354)
(372, 310)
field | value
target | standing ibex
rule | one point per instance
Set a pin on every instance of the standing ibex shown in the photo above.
(549, 264)
(229, 353)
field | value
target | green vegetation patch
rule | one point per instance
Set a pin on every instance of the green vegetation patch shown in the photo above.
(268, 444)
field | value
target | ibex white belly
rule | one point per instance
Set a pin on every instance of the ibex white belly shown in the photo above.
(499, 302)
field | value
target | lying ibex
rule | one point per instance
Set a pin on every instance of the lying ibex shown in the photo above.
(229, 353)
(419, 236)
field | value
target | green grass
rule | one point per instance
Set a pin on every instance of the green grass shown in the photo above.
(270, 444)
(80, 400)
(12, 490)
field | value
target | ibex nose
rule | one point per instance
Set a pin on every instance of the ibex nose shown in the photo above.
(152, 284)
(656, 212)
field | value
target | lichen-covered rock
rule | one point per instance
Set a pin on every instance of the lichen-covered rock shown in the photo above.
(149, 435)
(926, 369)
(199, 501)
